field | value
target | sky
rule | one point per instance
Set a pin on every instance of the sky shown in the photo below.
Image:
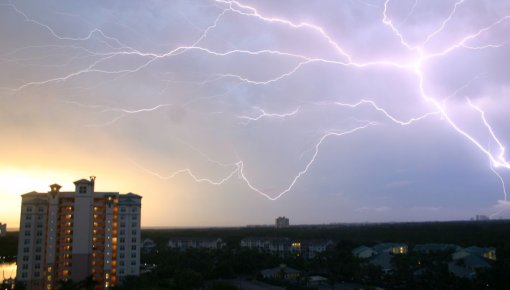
(231, 113)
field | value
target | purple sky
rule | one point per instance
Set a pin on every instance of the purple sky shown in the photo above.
(234, 113)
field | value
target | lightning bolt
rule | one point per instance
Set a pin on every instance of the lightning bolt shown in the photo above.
(264, 114)
(344, 58)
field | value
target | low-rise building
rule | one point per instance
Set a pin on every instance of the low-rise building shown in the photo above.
(363, 252)
(275, 246)
(196, 243)
(435, 247)
(310, 249)
(467, 261)
(487, 253)
(394, 248)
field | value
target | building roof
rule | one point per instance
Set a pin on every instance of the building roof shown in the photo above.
(431, 247)
(82, 181)
(386, 246)
(361, 249)
(478, 251)
(382, 260)
(474, 262)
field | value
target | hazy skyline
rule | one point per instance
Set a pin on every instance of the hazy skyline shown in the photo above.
(223, 113)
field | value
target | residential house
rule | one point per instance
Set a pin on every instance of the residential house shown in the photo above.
(466, 262)
(363, 252)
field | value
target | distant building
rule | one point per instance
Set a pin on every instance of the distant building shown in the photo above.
(311, 248)
(76, 234)
(282, 222)
(275, 246)
(283, 247)
(3, 229)
(196, 243)
(481, 217)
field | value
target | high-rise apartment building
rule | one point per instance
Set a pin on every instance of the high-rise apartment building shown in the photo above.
(73, 235)
(3, 229)
(281, 222)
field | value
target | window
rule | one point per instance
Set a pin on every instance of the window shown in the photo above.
(40, 209)
(38, 241)
(133, 209)
(27, 234)
(122, 225)
(121, 263)
(37, 266)
(37, 257)
(38, 249)
(134, 217)
(39, 233)
(28, 217)
(25, 267)
(36, 274)
(83, 189)
(133, 247)
(122, 209)
(122, 247)
(133, 232)
(29, 209)
(122, 240)
(23, 274)
(27, 225)
(133, 255)
(25, 258)
(26, 250)
(27, 241)
(133, 240)
(133, 263)
(122, 232)
(121, 256)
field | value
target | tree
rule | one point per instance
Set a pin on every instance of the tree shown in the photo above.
(88, 283)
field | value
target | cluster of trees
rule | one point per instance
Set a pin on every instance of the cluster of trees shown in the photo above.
(206, 269)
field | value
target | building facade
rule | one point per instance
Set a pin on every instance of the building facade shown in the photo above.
(73, 235)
